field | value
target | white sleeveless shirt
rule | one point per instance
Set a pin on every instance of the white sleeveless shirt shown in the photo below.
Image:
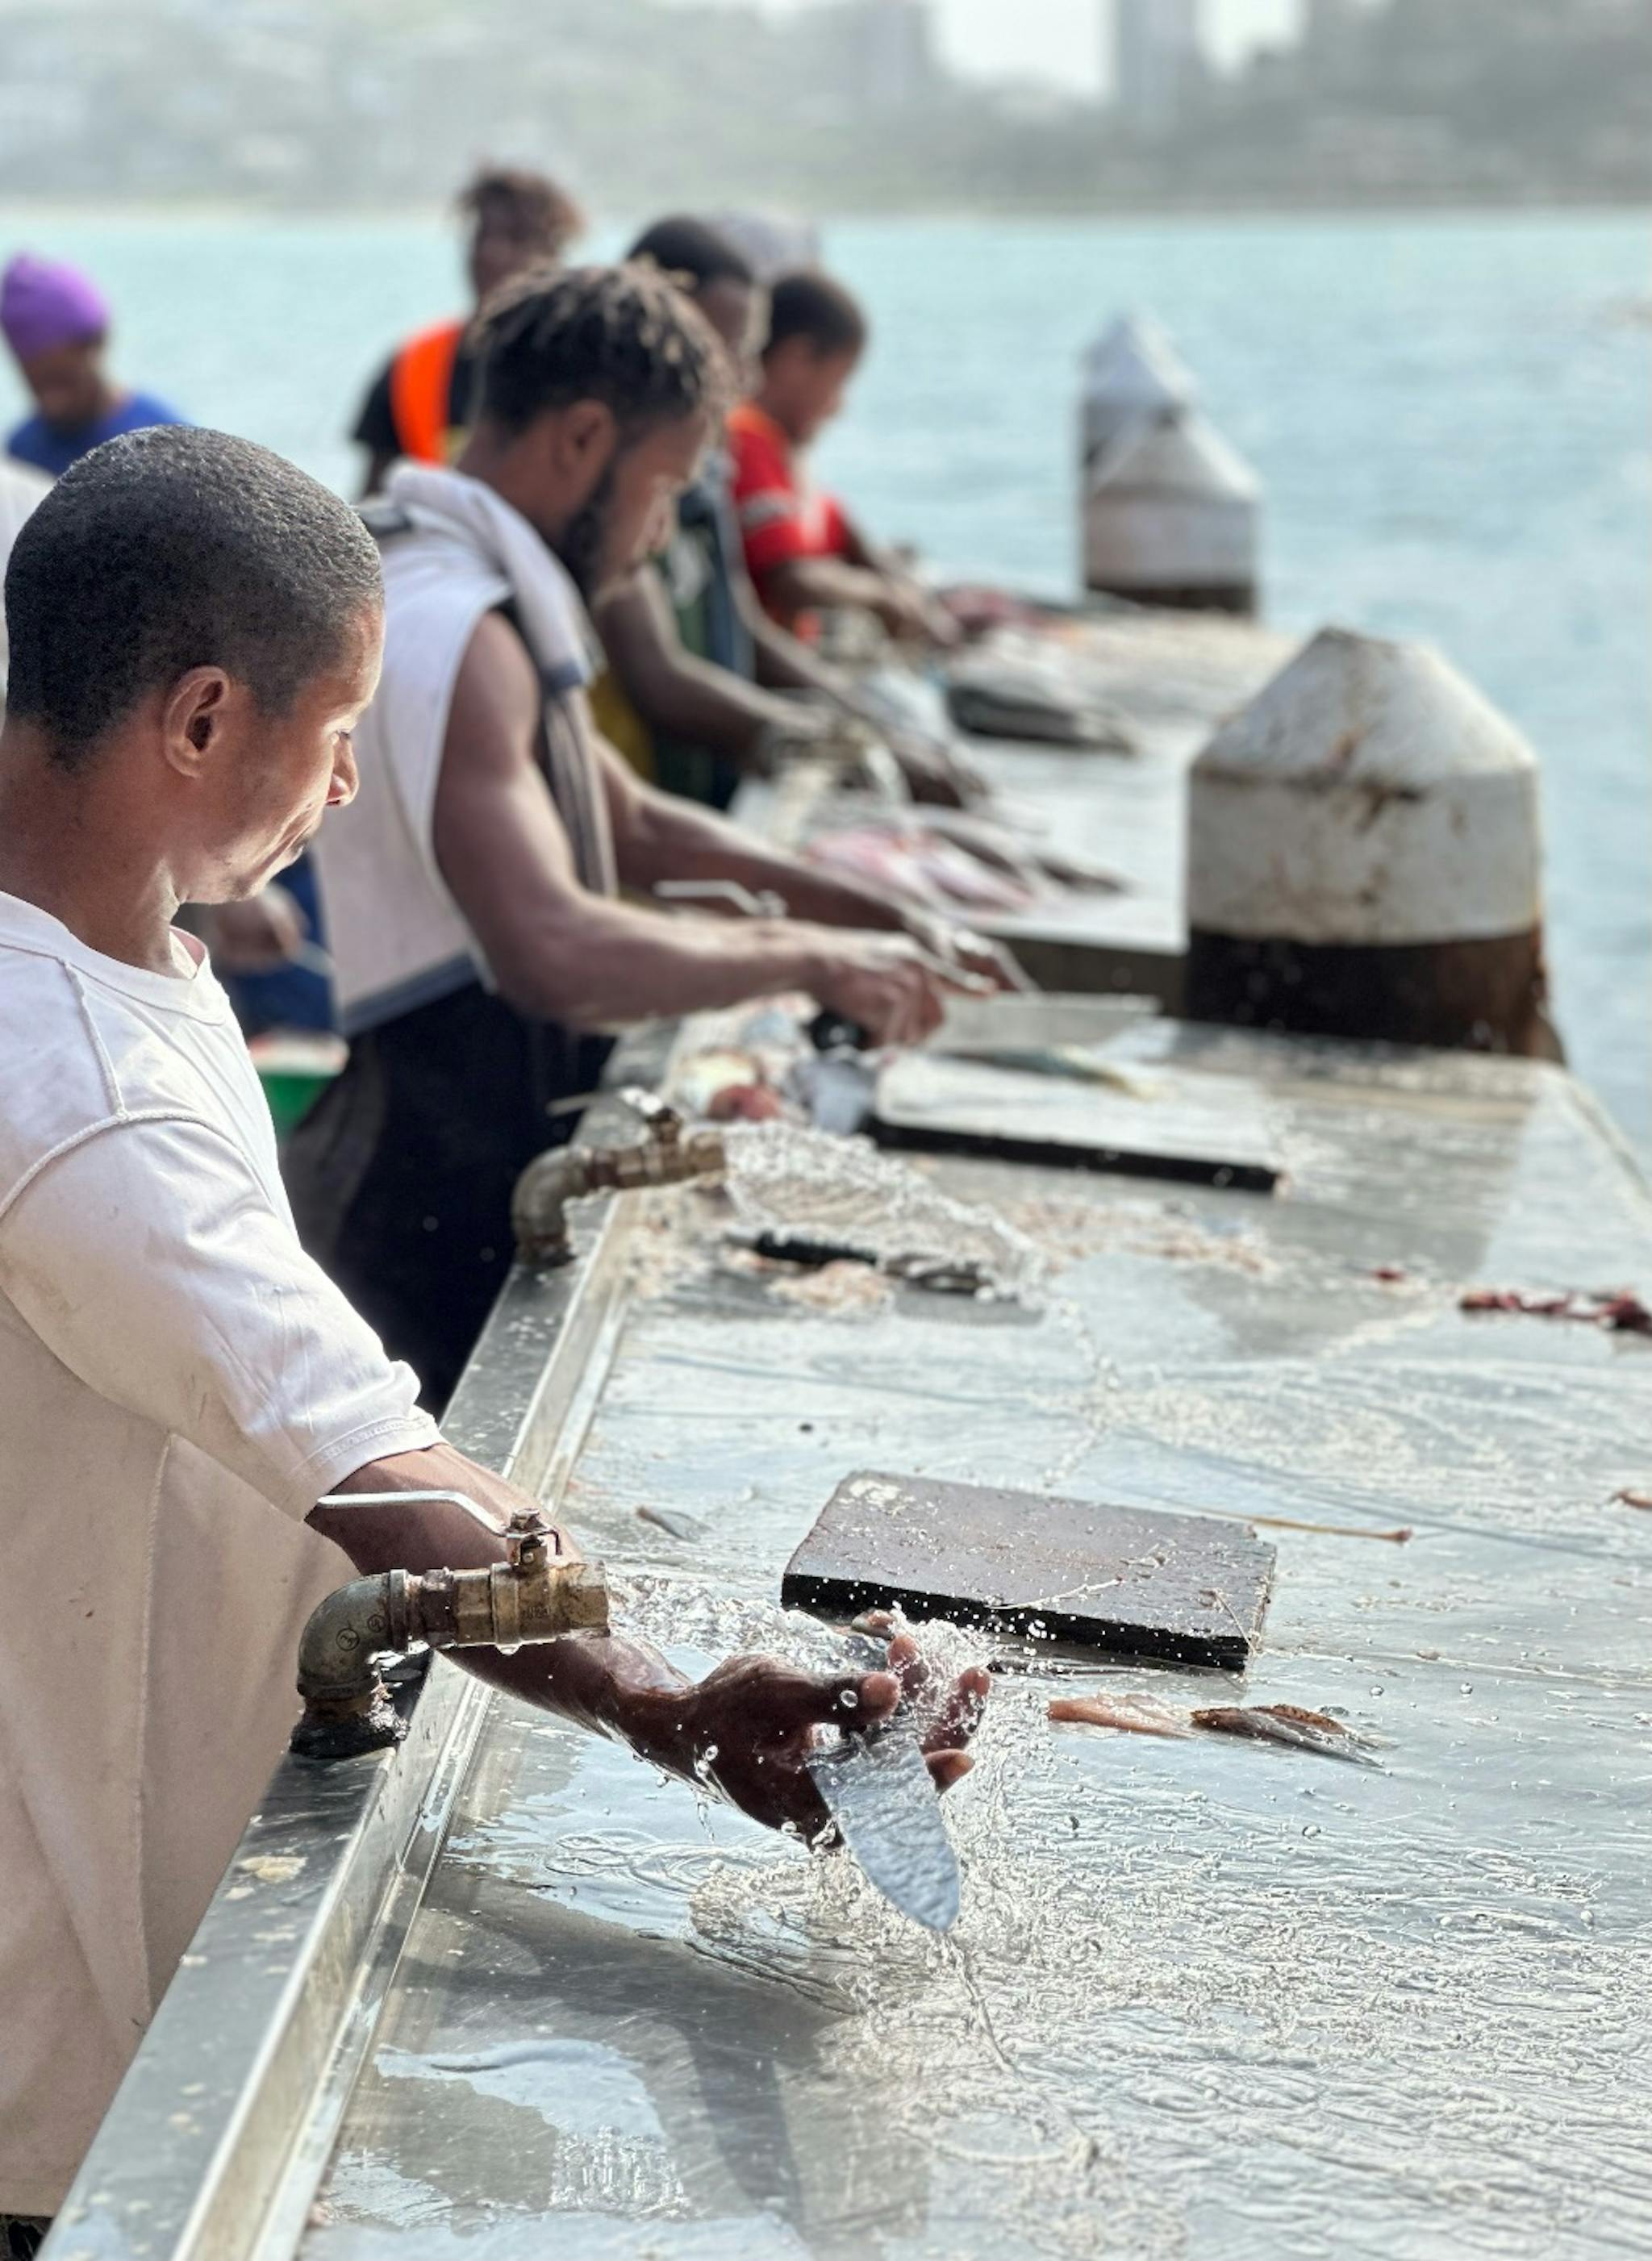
(453, 550)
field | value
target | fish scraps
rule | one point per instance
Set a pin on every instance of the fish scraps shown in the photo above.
(1617, 1310)
(1285, 1724)
(922, 868)
(1132, 1715)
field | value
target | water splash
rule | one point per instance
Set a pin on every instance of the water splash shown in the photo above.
(804, 1184)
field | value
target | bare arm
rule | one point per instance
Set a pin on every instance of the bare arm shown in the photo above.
(861, 549)
(660, 837)
(813, 584)
(670, 687)
(657, 837)
(558, 952)
(784, 662)
(379, 466)
(751, 1721)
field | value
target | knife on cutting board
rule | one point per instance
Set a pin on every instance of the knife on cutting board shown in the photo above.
(878, 1788)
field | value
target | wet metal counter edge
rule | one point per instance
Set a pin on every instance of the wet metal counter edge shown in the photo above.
(219, 2136)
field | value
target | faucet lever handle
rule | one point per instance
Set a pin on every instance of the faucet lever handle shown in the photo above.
(524, 1535)
(659, 1118)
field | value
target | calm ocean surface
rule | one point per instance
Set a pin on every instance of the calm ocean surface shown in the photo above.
(1450, 415)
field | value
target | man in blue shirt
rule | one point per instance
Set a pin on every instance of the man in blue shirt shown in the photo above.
(56, 322)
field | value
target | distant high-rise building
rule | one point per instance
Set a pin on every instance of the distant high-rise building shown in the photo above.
(898, 53)
(1158, 60)
(869, 55)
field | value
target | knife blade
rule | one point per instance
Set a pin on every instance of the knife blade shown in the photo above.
(878, 1790)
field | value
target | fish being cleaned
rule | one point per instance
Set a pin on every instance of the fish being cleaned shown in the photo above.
(1287, 1724)
(1264, 1723)
(936, 873)
(1133, 1715)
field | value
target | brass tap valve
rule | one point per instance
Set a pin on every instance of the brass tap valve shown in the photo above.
(534, 1594)
(667, 1154)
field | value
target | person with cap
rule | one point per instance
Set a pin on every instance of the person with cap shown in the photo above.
(56, 322)
(419, 404)
(703, 685)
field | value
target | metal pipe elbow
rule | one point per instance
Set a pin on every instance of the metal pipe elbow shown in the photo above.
(347, 1707)
(539, 1205)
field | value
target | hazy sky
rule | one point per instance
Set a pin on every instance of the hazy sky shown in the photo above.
(1067, 39)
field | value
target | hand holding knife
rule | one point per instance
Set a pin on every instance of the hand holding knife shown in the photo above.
(751, 1730)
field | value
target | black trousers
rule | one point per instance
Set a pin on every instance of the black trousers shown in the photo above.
(401, 1174)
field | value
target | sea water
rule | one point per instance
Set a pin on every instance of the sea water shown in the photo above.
(1448, 414)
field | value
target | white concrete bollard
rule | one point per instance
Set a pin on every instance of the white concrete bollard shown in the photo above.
(1171, 516)
(1171, 511)
(1365, 857)
(774, 243)
(1132, 372)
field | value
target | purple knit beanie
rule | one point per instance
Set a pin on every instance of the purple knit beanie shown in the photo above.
(46, 302)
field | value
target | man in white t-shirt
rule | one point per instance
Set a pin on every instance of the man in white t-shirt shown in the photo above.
(195, 626)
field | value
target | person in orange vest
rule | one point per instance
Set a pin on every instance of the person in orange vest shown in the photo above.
(419, 404)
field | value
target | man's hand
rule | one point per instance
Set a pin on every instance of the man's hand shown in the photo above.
(810, 727)
(888, 984)
(987, 963)
(934, 775)
(911, 616)
(748, 1728)
(745, 1729)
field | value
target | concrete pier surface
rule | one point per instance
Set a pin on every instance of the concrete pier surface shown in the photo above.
(1197, 1985)
(504, 1993)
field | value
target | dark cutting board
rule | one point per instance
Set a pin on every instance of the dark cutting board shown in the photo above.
(1204, 1129)
(1186, 1587)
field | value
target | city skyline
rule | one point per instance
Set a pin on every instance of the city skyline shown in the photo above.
(1068, 43)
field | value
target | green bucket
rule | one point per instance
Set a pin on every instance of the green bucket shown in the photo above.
(295, 1067)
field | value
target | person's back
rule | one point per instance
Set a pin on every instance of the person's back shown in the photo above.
(56, 322)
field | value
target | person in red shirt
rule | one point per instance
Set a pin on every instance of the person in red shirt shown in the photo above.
(802, 549)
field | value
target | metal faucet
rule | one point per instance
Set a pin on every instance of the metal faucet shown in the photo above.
(532, 1595)
(666, 1155)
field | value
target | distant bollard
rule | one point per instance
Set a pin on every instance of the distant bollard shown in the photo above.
(1365, 858)
(774, 243)
(1171, 513)
(1132, 372)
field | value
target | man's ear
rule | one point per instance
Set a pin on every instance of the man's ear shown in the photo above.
(587, 432)
(192, 718)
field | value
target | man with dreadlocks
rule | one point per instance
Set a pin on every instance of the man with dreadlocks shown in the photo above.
(471, 891)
